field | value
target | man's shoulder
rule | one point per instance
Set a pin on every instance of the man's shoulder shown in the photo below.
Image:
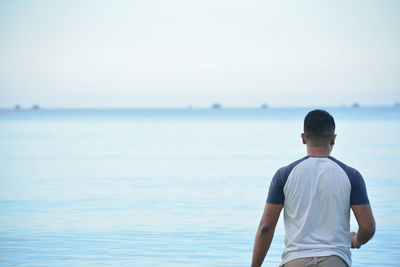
(350, 171)
(359, 194)
(285, 170)
(275, 193)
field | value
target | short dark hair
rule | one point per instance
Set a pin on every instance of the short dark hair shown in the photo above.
(319, 126)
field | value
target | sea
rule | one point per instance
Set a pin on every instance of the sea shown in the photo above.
(173, 187)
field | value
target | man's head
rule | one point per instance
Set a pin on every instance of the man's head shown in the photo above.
(319, 129)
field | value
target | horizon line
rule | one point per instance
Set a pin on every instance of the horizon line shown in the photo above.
(215, 106)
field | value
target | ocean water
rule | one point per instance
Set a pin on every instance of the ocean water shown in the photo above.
(170, 187)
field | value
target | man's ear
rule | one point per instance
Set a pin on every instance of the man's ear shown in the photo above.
(303, 138)
(333, 138)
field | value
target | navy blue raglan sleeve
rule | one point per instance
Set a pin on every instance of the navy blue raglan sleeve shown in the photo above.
(358, 195)
(275, 192)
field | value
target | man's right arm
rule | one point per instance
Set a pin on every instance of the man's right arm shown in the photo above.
(366, 225)
(265, 233)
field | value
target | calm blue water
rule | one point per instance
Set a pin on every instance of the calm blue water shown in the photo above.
(172, 187)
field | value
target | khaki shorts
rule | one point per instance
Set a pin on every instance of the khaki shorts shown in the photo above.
(330, 261)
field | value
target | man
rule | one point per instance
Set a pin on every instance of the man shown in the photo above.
(316, 193)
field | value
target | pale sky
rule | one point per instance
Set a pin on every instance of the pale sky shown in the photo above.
(176, 53)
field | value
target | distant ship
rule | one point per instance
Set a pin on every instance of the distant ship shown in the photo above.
(17, 107)
(216, 106)
(35, 107)
(356, 105)
(264, 106)
(397, 105)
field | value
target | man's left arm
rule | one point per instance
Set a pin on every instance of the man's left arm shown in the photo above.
(265, 232)
(366, 224)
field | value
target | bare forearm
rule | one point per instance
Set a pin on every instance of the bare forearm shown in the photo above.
(366, 224)
(363, 236)
(265, 232)
(261, 245)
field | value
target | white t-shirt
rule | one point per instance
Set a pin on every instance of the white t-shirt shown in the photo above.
(317, 193)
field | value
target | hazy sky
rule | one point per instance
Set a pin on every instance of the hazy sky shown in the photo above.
(176, 53)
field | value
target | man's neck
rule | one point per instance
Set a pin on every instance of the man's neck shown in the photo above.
(323, 151)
